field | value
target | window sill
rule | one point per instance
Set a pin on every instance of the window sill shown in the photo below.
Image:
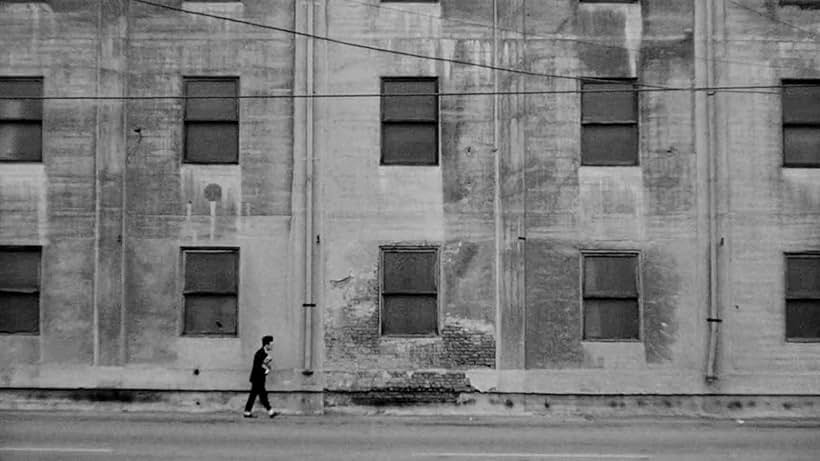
(604, 340)
(609, 165)
(222, 6)
(206, 336)
(430, 336)
(802, 340)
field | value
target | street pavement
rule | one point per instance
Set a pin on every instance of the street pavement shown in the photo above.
(84, 436)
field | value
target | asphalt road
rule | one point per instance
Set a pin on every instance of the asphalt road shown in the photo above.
(83, 436)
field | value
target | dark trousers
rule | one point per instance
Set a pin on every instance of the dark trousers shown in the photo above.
(257, 388)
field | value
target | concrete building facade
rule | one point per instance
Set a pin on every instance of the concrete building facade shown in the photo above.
(516, 259)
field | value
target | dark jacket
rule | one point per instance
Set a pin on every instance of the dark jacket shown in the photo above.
(257, 372)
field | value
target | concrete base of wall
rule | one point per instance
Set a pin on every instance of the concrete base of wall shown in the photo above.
(578, 405)
(422, 403)
(132, 400)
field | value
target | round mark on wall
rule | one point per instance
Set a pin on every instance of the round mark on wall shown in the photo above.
(213, 192)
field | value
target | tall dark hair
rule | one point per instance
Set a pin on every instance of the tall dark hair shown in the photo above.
(267, 339)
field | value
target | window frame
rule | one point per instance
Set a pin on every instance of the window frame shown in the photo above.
(437, 273)
(783, 124)
(637, 122)
(787, 297)
(27, 121)
(185, 122)
(638, 287)
(27, 248)
(383, 122)
(183, 292)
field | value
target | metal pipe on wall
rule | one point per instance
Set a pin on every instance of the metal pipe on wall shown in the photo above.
(713, 320)
(308, 304)
(499, 221)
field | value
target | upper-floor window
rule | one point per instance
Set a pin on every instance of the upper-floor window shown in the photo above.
(811, 4)
(20, 289)
(801, 123)
(211, 120)
(21, 120)
(211, 291)
(409, 291)
(803, 297)
(609, 123)
(611, 307)
(409, 121)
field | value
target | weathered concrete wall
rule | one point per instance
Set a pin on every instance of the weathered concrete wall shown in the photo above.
(52, 204)
(166, 200)
(559, 207)
(770, 209)
(112, 204)
(509, 207)
(650, 208)
(366, 205)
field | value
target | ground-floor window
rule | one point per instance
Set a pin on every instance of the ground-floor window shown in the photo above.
(20, 289)
(803, 297)
(211, 286)
(611, 299)
(409, 291)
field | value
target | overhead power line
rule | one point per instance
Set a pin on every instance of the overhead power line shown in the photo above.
(735, 88)
(383, 50)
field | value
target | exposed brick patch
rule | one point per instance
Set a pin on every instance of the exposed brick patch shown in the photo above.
(353, 341)
(471, 349)
(398, 381)
(401, 398)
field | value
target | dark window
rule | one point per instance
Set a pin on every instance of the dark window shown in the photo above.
(611, 309)
(21, 120)
(211, 120)
(20, 289)
(801, 123)
(409, 123)
(808, 4)
(409, 291)
(609, 124)
(211, 286)
(803, 297)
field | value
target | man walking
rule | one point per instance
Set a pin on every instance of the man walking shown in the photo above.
(259, 369)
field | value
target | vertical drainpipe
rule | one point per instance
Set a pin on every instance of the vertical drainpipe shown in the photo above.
(714, 319)
(124, 190)
(522, 220)
(97, 194)
(499, 227)
(308, 304)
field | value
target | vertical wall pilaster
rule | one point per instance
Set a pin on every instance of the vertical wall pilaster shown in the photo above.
(110, 161)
